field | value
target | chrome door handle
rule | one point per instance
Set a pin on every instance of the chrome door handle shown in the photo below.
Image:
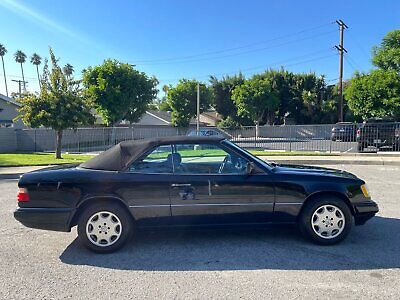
(180, 184)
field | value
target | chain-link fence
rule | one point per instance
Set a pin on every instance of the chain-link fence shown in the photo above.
(345, 137)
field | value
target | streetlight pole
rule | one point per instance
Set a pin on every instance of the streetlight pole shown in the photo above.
(198, 110)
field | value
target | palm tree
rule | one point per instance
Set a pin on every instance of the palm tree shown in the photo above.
(3, 51)
(165, 89)
(36, 60)
(20, 57)
(68, 70)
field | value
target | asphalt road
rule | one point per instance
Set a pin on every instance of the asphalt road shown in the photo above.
(249, 264)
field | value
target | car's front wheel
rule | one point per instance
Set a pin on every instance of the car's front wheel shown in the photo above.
(326, 220)
(104, 227)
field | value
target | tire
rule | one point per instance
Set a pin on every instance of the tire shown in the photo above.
(321, 210)
(104, 227)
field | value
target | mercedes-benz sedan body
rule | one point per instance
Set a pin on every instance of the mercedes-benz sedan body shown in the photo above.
(188, 182)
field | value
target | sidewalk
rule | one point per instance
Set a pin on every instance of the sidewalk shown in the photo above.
(350, 159)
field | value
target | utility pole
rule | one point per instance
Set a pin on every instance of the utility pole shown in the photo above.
(20, 82)
(341, 49)
(198, 110)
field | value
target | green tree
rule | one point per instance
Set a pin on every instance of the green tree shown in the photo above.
(36, 60)
(3, 52)
(68, 70)
(376, 94)
(222, 90)
(182, 100)
(60, 104)
(387, 55)
(256, 99)
(20, 57)
(119, 92)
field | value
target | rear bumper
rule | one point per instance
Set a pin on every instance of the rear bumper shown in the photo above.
(365, 211)
(57, 219)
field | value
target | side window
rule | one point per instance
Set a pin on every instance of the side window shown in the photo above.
(159, 160)
(206, 159)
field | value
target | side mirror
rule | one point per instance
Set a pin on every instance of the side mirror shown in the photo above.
(250, 168)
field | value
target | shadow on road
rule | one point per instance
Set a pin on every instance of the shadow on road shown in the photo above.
(375, 245)
(11, 176)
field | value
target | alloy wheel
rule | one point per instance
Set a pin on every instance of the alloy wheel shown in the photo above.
(103, 228)
(328, 221)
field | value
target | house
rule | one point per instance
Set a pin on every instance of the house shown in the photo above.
(8, 111)
(211, 118)
(157, 117)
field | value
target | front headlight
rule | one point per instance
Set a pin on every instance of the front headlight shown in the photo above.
(365, 192)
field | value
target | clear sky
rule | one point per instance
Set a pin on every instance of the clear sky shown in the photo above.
(193, 39)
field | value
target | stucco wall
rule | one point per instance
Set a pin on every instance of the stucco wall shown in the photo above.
(8, 140)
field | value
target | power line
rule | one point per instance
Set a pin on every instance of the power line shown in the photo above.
(265, 66)
(352, 37)
(234, 48)
(349, 62)
(243, 52)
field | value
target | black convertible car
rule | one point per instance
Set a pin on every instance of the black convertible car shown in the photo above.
(189, 181)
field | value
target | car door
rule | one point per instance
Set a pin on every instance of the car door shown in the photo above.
(145, 187)
(210, 185)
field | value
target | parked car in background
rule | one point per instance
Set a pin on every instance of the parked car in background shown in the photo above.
(344, 132)
(380, 134)
(189, 182)
(206, 132)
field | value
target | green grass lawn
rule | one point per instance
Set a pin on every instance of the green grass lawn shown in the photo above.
(43, 159)
(39, 159)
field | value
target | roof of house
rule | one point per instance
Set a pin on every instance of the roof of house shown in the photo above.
(9, 100)
(166, 117)
(213, 115)
(161, 115)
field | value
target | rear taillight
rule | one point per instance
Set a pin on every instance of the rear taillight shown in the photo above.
(23, 195)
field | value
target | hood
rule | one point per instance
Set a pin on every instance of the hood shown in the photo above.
(311, 170)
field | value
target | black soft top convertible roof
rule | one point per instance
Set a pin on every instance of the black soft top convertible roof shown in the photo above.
(121, 155)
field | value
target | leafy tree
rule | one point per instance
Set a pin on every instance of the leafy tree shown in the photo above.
(376, 94)
(3, 52)
(60, 104)
(256, 99)
(182, 100)
(222, 90)
(36, 60)
(119, 92)
(20, 57)
(68, 70)
(229, 123)
(387, 55)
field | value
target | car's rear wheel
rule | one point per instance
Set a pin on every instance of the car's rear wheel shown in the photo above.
(104, 227)
(326, 220)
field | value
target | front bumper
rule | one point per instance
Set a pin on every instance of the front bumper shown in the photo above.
(365, 211)
(57, 219)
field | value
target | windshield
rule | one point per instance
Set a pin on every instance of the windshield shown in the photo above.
(239, 149)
